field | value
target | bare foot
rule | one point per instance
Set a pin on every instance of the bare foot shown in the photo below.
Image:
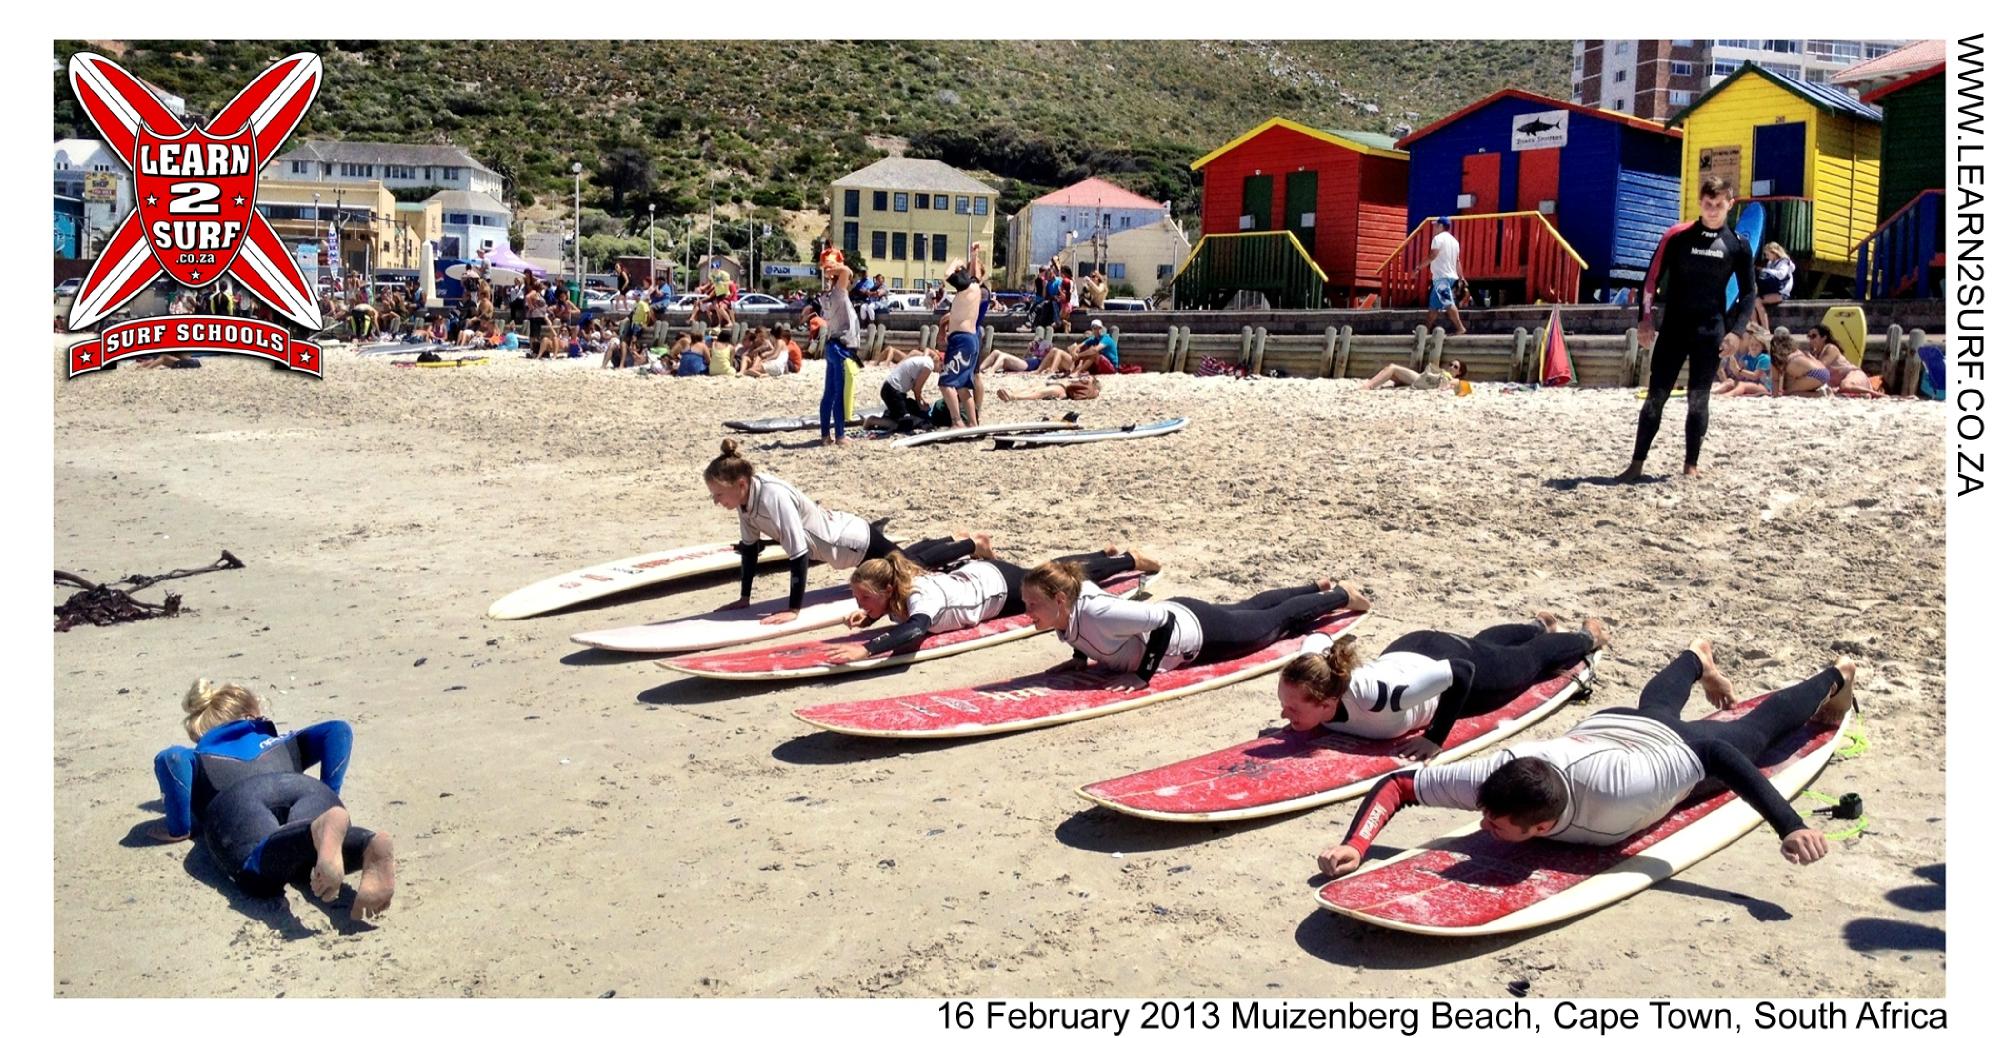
(1840, 700)
(1325, 583)
(1005, 395)
(378, 879)
(1713, 685)
(1595, 628)
(826, 441)
(328, 830)
(1548, 620)
(961, 535)
(1633, 473)
(1357, 602)
(982, 546)
(1690, 472)
(1142, 563)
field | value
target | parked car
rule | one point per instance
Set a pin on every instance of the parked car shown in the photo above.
(747, 303)
(902, 301)
(1128, 303)
(68, 288)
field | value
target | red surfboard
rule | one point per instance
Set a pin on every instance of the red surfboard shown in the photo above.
(1291, 771)
(796, 660)
(1044, 699)
(1467, 883)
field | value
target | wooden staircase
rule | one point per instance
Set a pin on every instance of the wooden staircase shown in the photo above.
(1521, 247)
(1905, 257)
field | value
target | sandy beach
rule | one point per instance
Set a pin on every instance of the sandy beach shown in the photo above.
(572, 822)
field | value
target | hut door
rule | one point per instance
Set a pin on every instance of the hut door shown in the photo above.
(1302, 206)
(1480, 177)
(1256, 204)
(1778, 161)
(1541, 170)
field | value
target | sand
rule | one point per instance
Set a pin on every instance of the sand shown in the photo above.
(571, 822)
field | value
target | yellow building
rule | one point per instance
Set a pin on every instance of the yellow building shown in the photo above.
(1142, 257)
(909, 220)
(364, 213)
(1809, 152)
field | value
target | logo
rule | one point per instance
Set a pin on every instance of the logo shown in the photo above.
(196, 220)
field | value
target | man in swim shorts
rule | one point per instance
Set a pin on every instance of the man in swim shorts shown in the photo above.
(961, 365)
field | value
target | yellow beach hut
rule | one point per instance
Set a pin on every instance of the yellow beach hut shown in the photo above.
(1810, 153)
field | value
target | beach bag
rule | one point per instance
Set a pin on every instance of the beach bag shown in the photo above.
(1930, 380)
(1213, 366)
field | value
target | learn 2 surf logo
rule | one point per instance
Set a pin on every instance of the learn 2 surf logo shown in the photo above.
(196, 220)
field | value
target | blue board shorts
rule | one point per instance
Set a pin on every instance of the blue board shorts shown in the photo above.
(961, 360)
(1441, 293)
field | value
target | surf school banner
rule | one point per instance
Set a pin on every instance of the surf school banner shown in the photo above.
(149, 336)
(195, 219)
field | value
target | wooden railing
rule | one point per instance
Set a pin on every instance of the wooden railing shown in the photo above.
(1905, 256)
(1520, 247)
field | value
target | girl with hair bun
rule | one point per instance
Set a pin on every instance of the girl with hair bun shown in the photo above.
(925, 603)
(770, 507)
(1426, 679)
(1143, 638)
(268, 824)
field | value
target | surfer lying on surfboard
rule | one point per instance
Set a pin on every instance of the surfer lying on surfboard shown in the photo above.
(266, 822)
(1143, 638)
(1620, 770)
(926, 603)
(770, 507)
(1426, 679)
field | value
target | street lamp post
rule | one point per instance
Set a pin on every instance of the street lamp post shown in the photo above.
(318, 246)
(649, 240)
(576, 169)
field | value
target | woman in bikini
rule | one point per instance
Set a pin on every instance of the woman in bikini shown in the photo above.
(1082, 387)
(1796, 372)
(1430, 378)
(1846, 377)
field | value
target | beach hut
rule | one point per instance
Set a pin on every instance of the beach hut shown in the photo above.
(1304, 216)
(1565, 193)
(1808, 152)
(1905, 254)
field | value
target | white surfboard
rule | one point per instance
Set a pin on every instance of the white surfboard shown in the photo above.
(977, 431)
(1124, 432)
(622, 575)
(723, 628)
(1445, 896)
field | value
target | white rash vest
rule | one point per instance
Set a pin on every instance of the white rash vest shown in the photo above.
(965, 597)
(1113, 630)
(777, 510)
(1394, 693)
(905, 374)
(1623, 773)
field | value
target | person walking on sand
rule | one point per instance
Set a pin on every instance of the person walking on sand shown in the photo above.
(1691, 272)
(1444, 277)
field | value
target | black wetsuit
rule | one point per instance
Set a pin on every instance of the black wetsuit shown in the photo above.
(1691, 272)
(243, 789)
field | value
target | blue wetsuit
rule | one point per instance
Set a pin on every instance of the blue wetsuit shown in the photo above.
(244, 786)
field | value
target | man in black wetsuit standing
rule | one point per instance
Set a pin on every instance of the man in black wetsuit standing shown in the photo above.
(1691, 272)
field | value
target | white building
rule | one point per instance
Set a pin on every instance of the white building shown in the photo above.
(441, 166)
(472, 220)
(78, 160)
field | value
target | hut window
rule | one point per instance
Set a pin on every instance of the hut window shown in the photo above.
(878, 245)
(902, 201)
(881, 201)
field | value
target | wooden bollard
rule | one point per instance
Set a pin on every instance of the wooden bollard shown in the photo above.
(1328, 353)
(1912, 360)
(1423, 346)
(1243, 352)
(1346, 351)
(1633, 358)
(1257, 350)
(1518, 370)
(1892, 364)
(1187, 347)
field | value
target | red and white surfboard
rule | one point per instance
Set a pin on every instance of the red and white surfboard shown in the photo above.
(1467, 883)
(1287, 771)
(1047, 698)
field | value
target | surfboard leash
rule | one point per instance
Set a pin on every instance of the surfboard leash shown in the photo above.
(1846, 807)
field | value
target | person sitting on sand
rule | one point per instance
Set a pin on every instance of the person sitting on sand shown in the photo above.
(1096, 354)
(1140, 639)
(168, 360)
(243, 788)
(795, 356)
(1431, 377)
(689, 357)
(1082, 387)
(1426, 680)
(924, 602)
(1796, 372)
(1847, 378)
(770, 507)
(1621, 769)
(1746, 370)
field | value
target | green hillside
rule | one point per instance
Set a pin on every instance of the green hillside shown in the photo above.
(765, 125)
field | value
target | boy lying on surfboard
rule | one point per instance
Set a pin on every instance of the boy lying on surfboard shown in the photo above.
(1622, 769)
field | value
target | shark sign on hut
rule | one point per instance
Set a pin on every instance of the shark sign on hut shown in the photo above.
(197, 220)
